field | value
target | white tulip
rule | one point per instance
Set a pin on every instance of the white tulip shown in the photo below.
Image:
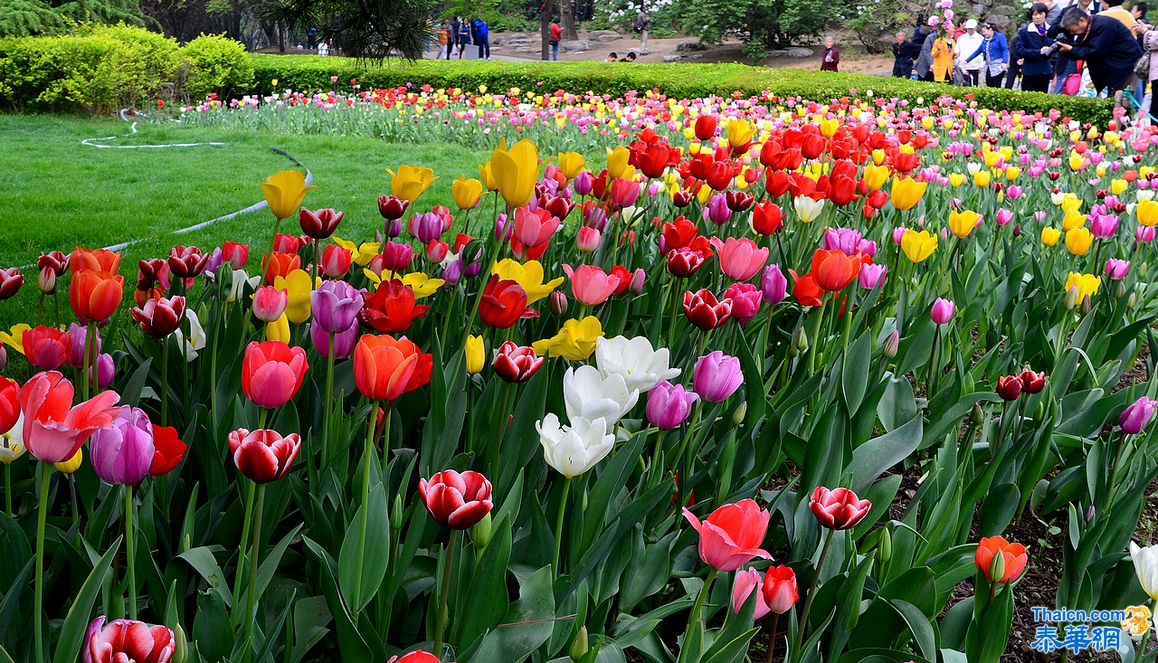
(12, 442)
(240, 282)
(572, 450)
(641, 367)
(590, 395)
(1146, 195)
(808, 209)
(1146, 566)
(196, 336)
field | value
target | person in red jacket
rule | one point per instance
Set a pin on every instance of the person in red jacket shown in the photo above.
(556, 37)
(830, 59)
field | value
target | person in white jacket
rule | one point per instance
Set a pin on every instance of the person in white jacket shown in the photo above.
(967, 44)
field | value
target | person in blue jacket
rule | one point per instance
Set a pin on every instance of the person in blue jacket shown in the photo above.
(995, 50)
(1032, 40)
(481, 35)
(1108, 48)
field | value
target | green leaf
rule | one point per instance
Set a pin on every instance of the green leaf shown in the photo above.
(374, 551)
(871, 459)
(997, 510)
(489, 584)
(528, 623)
(924, 633)
(80, 614)
(203, 561)
(855, 371)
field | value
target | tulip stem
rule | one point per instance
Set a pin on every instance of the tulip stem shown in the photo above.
(327, 405)
(500, 430)
(8, 488)
(87, 362)
(367, 456)
(130, 551)
(698, 606)
(250, 611)
(559, 524)
(812, 593)
(250, 489)
(772, 635)
(443, 616)
(815, 340)
(41, 525)
(165, 381)
(1114, 471)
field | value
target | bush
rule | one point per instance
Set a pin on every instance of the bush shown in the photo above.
(215, 63)
(675, 80)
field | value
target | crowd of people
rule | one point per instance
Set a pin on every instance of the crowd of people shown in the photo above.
(1086, 47)
(456, 34)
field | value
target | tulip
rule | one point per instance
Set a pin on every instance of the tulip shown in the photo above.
(731, 536)
(746, 582)
(284, 192)
(838, 509)
(918, 246)
(515, 171)
(717, 210)
(907, 192)
(618, 159)
(872, 276)
(1013, 555)
(71, 465)
(196, 337)
(46, 281)
(1031, 382)
(683, 262)
(54, 429)
(319, 224)
(385, 367)
(634, 360)
(123, 640)
(571, 163)
(668, 405)
(391, 308)
(1087, 285)
(717, 376)
(572, 450)
(160, 317)
(833, 270)
(9, 404)
(590, 395)
(1079, 240)
(95, 296)
(98, 260)
(457, 501)
(705, 127)
(963, 223)
(767, 218)
(529, 276)
(474, 354)
(808, 209)
(746, 299)
(410, 181)
(335, 306)
(516, 364)
(186, 262)
(77, 336)
(168, 451)
(415, 657)
(740, 259)
(272, 373)
(1009, 387)
(263, 455)
(502, 303)
(122, 453)
(590, 284)
(47, 348)
(942, 311)
(10, 281)
(1146, 567)
(235, 254)
(773, 285)
(779, 589)
(1116, 269)
(426, 227)
(575, 340)
(279, 264)
(335, 261)
(587, 240)
(705, 311)
(343, 341)
(1136, 415)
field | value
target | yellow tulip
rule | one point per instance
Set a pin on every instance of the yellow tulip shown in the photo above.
(981, 178)
(918, 246)
(575, 341)
(962, 223)
(1069, 201)
(1079, 241)
(410, 181)
(487, 176)
(991, 158)
(1013, 172)
(740, 133)
(278, 330)
(475, 354)
(618, 161)
(1050, 235)
(956, 179)
(422, 285)
(1075, 161)
(72, 464)
(1118, 186)
(571, 163)
(879, 157)
(529, 276)
(1087, 284)
(1147, 212)
(1073, 219)
(515, 171)
(284, 192)
(907, 193)
(362, 253)
(466, 193)
(875, 176)
(298, 286)
(14, 337)
(828, 127)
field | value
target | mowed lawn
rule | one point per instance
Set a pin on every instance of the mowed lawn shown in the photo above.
(56, 193)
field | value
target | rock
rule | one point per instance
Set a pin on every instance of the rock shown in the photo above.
(798, 52)
(690, 46)
(602, 36)
(575, 46)
(672, 58)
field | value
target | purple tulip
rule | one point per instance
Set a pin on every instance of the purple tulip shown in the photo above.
(584, 183)
(717, 210)
(1136, 415)
(344, 341)
(1103, 226)
(1116, 269)
(426, 227)
(503, 230)
(668, 405)
(873, 276)
(393, 228)
(898, 233)
(396, 256)
(1013, 192)
(77, 334)
(452, 269)
(773, 285)
(638, 278)
(942, 311)
(106, 370)
(1004, 217)
(335, 306)
(1144, 234)
(845, 240)
(123, 452)
(595, 217)
(717, 376)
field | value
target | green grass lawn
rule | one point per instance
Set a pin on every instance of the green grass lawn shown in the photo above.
(58, 194)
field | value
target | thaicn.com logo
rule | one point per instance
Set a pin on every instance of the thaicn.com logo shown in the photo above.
(1095, 630)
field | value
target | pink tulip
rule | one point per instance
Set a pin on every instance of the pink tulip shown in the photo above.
(740, 259)
(124, 640)
(590, 284)
(746, 581)
(732, 535)
(942, 311)
(269, 303)
(1116, 269)
(53, 427)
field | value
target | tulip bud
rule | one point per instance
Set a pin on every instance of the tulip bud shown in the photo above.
(580, 645)
(892, 344)
(997, 568)
(1087, 305)
(558, 303)
(1132, 300)
(180, 645)
(46, 281)
(186, 543)
(885, 546)
(1090, 513)
(396, 515)
(482, 532)
(1071, 298)
(738, 417)
(637, 280)
(801, 342)
(1120, 289)
(977, 415)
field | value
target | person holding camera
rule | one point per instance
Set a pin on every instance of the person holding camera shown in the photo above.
(1106, 46)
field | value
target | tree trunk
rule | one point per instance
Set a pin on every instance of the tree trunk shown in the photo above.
(545, 27)
(567, 8)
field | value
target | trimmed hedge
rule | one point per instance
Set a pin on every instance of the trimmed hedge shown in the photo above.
(675, 80)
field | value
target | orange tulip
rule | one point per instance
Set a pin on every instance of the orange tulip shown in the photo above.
(280, 264)
(386, 367)
(98, 260)
(833, 270)
(94, 295)
(1014, 558)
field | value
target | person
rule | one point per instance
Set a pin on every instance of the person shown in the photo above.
(642, 24)
(556, 37)
(994, 51)
(444, 40)
(612, 56)
(1108, 48)
(904, 53)
(968, 43)
(464, 36)
(923, 66)
(324, 48)
(1053, 12)
(942, 53)
(480, 34)
(312, 38)
(1114, 9)
(1014, 73)
(830, 59)
(1138, 10)
(455, 25)
(630, 57)
(1033, 48)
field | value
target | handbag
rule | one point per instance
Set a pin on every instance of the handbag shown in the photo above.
(1072, 84)
(1142, 66)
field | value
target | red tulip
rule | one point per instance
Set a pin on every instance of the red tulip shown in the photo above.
(263, 455)
(391, 308)
(124, 640)
(805, 290)
(1009, 387)
(283, 243)
(46, 348)
(392, 208)
(54, 429)
(415, 657)
(1031, 382)
(705, 311)
(767, 218)
(235, 254)
(385, 367)
(272, 372)
(516, 364)
(168, 450)
(838, 509)
(319, 224)
(9, 404)
(160, 317)
(502, 303)
(706, 127)
(684, 262)
(10, 281)
(186, 262)
(99, 260)
(833, 270)
(335, 261)
(731, 536)
(776, 182)
(1014, 558)
(719, 175)
(739, 201)
(456, 500)
(95, 296)
(780, 589)
(682, 233)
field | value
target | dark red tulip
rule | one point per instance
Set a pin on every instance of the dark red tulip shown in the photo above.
(392, 208)
(263, 455)
(515, 363)
(160, 317)
(1009, 387)
(10, 281)
(1031, 382)
(186, 262)
(684, 262)
(456, 500)
(319, 224)
(705, 311)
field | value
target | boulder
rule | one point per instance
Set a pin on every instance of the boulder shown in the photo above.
(690, 46)
(575, 46)
(672, 58)
(798, 52)
(602, 36)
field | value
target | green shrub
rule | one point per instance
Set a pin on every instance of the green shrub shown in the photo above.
(675, 80)
(215, 63)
